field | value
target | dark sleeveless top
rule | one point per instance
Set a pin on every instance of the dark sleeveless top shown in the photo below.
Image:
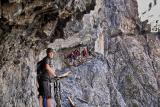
(45, 75)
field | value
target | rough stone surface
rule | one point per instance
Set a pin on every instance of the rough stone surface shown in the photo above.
(125, 72)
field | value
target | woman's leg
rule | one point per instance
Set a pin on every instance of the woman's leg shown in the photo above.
(49, 102)
(40, 101)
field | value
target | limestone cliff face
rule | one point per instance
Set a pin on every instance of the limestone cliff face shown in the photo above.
(124, 71)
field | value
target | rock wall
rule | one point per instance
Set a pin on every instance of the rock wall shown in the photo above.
(124, 71)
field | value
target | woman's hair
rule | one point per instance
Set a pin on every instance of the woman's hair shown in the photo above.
(49, 50)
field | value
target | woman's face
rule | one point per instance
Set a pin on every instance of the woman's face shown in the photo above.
(51, 54)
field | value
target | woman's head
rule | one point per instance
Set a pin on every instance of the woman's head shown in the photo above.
(50, 52)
